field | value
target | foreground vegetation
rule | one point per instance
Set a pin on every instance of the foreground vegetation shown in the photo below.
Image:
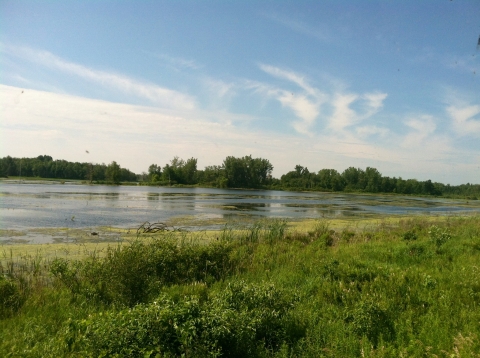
(245, 172)
(408, 289)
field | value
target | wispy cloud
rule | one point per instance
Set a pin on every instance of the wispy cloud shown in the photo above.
(373, 103)
(306, 110)
(421, 128)
(312, 103)
(343, 116)
(179, 62)
(366, 131)
(220, 89)
(292, 77)
(155, 94)
(306, 105)
(465, 119)
(300, 27)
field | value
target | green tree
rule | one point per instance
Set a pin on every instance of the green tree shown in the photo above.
(189, 171)
(213, 175)
(373, 180)
(112, 174)
(154, 173)
(180, 171)
(354, 178)
(247, 172)
(169, 174)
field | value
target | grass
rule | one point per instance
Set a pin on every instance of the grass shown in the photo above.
(393, 287)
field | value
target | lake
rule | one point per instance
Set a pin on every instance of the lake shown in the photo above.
(24, 207)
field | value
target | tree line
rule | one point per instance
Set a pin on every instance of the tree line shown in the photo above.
(44, 166)
(371, 181)
(245, 172)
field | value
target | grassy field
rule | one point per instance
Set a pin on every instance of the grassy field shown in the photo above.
(390, 287)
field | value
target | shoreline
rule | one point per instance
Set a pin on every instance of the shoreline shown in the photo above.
(56, 181)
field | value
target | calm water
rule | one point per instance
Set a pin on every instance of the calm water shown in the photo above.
(25, 206)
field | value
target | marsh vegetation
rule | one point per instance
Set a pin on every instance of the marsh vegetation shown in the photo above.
(385, 288)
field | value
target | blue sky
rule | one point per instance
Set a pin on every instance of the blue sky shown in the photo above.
(389, 84)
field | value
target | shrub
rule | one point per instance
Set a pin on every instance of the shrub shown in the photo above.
(439, 236)
(347, 235)
(242, 320)
(133, 274)
(275, 230)
(66, 272)
(409, 235)
(10, 297)
(368, 319)
(326, 239)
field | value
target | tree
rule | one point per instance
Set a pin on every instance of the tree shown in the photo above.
(330, 179)
(373, 180)
(169, 175)
(354, 178)
(112, 174)
(154, 173)
(8, 167)
(247, 172)
(189, 171)
(213, 175)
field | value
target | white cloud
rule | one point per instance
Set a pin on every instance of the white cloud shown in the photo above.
(343, 116)
(366, 131)
(374, 103)
(218, 88)
(465, 119)
(303, 109)
(292, 77)
(306, 106)
(156, 94)
(423, 126)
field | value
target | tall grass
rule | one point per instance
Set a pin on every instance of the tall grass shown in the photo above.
(406, 290)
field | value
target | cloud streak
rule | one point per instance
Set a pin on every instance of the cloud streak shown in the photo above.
(156, 94)
(179, 62)
(313, 104)
(465, 119)
(301, 27)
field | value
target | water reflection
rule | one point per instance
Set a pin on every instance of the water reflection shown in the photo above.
(73, 206)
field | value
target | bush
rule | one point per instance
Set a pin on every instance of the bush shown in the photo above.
(10, 298)
(409, 235)
(368, 319)
(133, 274)
(241, 321)
(439, 236)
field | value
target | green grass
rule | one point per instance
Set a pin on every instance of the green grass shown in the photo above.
(397, 287)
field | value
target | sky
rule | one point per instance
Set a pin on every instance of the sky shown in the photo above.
(393, 85)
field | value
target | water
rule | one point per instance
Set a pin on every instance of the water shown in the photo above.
(27, 206)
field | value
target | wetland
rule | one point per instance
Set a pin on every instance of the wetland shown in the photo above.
(53, 213)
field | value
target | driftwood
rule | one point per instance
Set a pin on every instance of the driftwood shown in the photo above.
(147, 228)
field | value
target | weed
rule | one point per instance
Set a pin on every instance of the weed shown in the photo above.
(409, 235)
(10, 297)
(439, 236)
(260, 290)
(368, 319)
